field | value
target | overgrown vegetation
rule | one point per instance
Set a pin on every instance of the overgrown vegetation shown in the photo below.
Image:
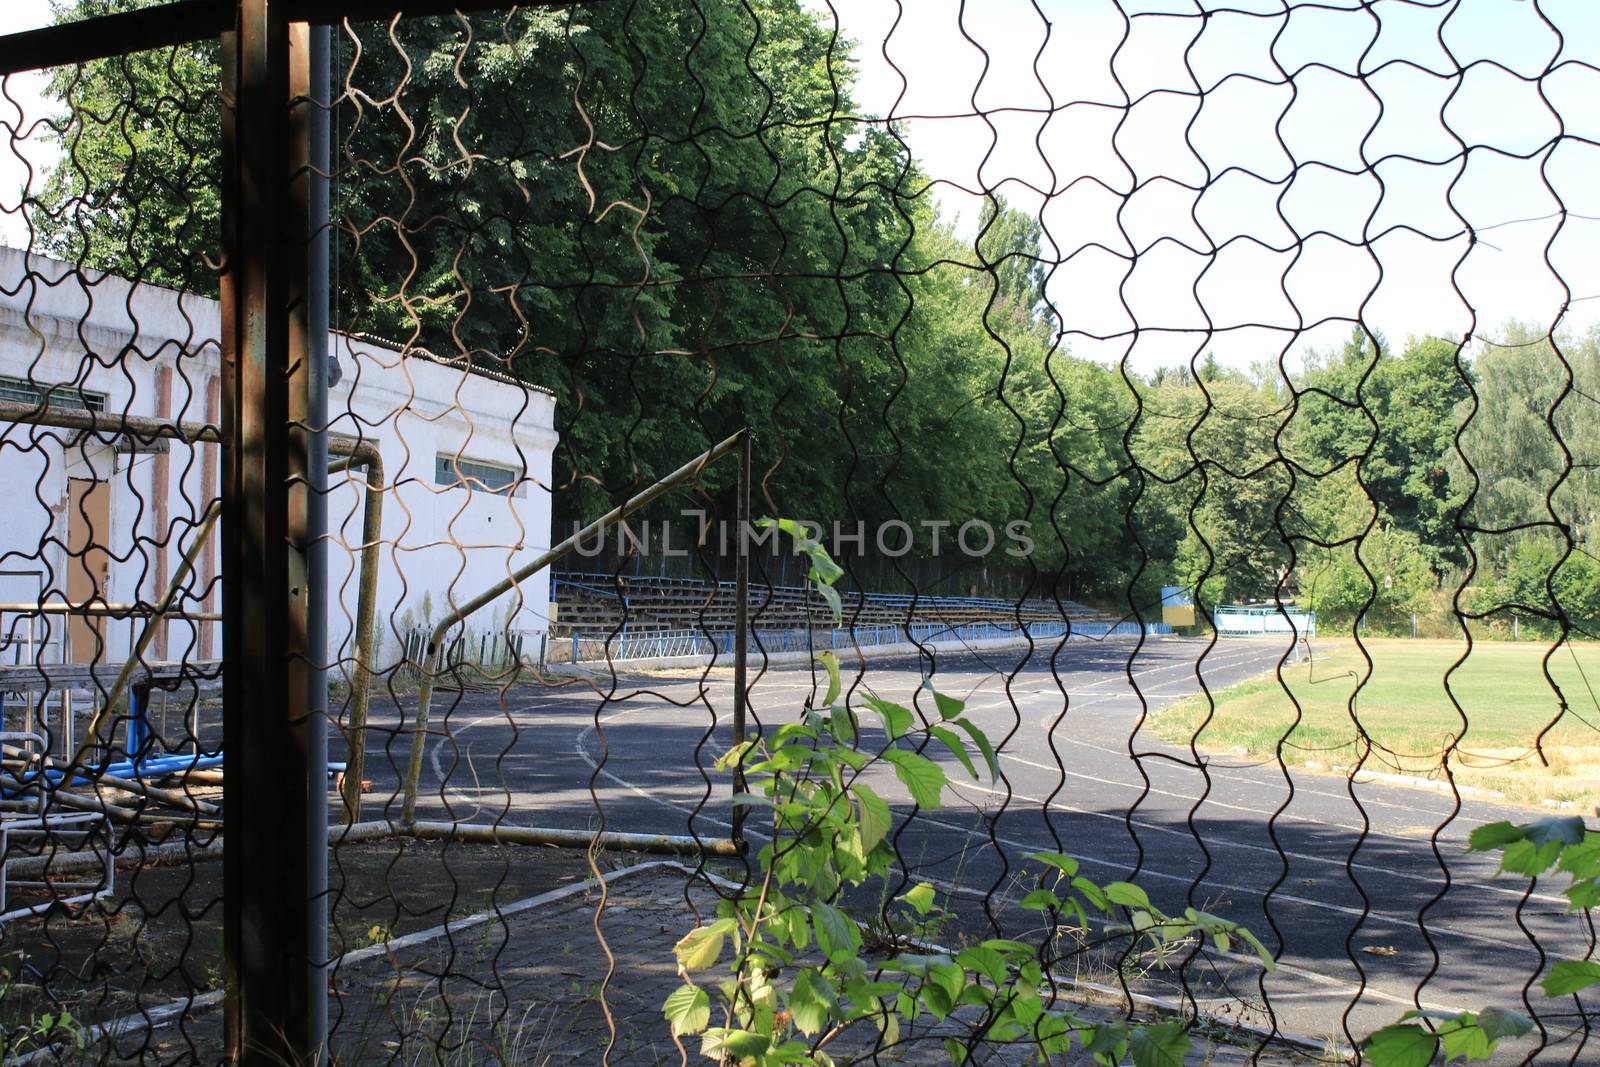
(1532, 850)
(798, 985)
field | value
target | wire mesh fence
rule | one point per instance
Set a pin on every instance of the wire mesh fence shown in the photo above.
(1248, 348)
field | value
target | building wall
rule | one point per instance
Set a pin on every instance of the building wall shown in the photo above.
(152, 351)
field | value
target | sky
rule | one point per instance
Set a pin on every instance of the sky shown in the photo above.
(1225, 183)
(20, 103)
(1151, 142)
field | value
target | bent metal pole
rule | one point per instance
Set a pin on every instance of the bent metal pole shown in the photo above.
(431, 657)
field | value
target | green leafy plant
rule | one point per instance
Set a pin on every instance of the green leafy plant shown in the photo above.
(1530, 849)
(58, 1028)
(782, 971)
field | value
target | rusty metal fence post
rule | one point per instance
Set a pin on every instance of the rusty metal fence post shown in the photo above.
(269, 890)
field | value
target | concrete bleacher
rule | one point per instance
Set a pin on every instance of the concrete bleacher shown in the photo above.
(596, 604)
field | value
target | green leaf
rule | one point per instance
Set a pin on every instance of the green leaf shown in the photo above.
(949, 707)
(1018, 949)
(984, 960)
(810, 1002)
(1532, 847)
(1127, 894)
(835, 605)
(720, 1042)
(734, 756)
(1463, 1039)
(1041, 900)
(1584, 895)
(935, 1001)
(837, 933)
(896, 720)
(922, 777)
(1400, 1045)
(949, 977)
(701, 946)
(1261, 950)
(824, 571)
(1493, 836)
(1059, 860)
(1106, 1042)
(1525, 857)
(688, 1009)
(876, 818)
(920, 898)
(1159, 1045)
(980, 739)
(1054, 1034)
(1568, 829)
(953, 743)
(830, 663)
(1091, 892)
(1583, 860)
(842, 725)
(1498, 1023)
(1569, 976)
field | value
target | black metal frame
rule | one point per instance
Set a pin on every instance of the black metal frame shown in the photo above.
(187, 21)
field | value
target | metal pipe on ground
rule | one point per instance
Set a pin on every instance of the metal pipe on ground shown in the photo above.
(16, 759)
(669, 844)
(73, 800)
(431, 657)
(366, 832)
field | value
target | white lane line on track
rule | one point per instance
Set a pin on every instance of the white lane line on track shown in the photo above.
(1373, 915)
(1234, 774)
(1232, 843)
(1334, 983)
(1244, 845)
(452, 738)
(1074, 703)
(440, 774)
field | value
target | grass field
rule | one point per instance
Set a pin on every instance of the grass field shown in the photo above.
(1407, 715)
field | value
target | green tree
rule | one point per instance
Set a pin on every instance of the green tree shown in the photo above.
(1210, 442)
(655, 211)
(1380, 581)
(1395, 418)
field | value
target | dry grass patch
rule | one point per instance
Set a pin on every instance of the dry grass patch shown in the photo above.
(1404, 704)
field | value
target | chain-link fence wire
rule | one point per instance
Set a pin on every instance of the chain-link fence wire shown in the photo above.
(110, 624)
(1122, 284)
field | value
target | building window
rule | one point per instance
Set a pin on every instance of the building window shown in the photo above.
(22, 391)
(452, 470)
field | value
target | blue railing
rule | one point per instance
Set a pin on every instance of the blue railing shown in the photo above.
(648, 644)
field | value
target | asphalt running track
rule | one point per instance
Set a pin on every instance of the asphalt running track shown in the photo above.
(1331, 875)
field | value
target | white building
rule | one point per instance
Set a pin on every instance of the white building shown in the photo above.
(103, 516)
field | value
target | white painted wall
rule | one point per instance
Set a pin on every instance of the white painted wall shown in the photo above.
(153, 351)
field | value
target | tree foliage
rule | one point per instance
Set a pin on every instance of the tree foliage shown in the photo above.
(667, 213)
